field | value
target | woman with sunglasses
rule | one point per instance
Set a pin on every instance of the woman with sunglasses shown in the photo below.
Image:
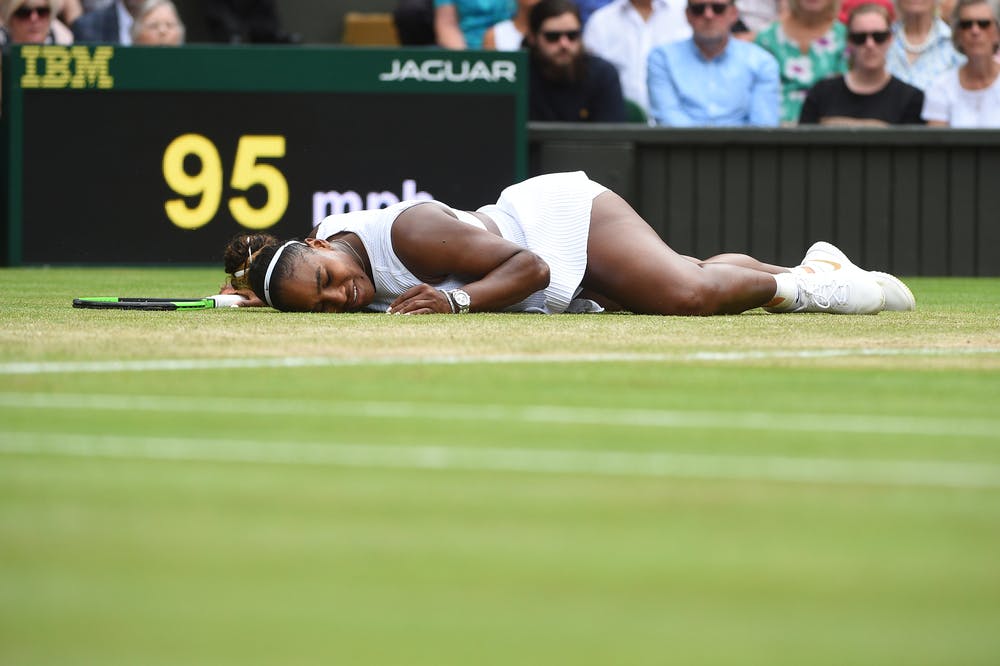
(28, 21)
(545, 243)
(969, 96)
(868, 94)
(809, 44)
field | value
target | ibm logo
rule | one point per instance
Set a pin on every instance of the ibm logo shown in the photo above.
(52, 67)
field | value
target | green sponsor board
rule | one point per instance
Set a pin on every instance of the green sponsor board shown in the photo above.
(147, 155)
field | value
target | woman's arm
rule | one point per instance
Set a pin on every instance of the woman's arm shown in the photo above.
(446, 29)
(490, 40)
(434, 244)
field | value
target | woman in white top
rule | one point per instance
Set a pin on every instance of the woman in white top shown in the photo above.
(509, 35)
(969, 96)
(548, 243)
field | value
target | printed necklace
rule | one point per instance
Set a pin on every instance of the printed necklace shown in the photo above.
(353, 251)
(919, 48)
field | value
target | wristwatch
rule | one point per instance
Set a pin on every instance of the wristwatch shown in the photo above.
(459, 301)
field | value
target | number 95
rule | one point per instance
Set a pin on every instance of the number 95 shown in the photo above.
(207, 183)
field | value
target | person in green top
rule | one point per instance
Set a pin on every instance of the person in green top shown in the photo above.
(810, 45)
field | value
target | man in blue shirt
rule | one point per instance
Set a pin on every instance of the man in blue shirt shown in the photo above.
(713, 79)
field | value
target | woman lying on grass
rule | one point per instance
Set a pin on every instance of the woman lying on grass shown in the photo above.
(549, 245)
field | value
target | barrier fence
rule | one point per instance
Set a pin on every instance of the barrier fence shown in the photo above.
(916, 201)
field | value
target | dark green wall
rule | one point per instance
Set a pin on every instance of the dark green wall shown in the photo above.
(914, 201)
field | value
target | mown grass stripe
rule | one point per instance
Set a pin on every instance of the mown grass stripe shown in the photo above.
(602, 463)
(875, 424)
(159, 365)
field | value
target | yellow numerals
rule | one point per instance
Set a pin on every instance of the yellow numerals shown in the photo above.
(207, 182)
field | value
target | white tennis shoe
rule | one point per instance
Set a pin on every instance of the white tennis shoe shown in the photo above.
(835, 291)
(898, 296)
(823, 257)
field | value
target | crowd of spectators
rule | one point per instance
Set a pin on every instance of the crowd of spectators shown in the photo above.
(138, 22)
(126, 22)
(685, 63)
(664, 62)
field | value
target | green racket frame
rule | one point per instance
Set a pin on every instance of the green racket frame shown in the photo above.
(139, 303)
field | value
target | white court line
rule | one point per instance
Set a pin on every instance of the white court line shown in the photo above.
(157, 365)
(940, 474)
(907, 425)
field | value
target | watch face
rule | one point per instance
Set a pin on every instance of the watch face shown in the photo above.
(461, 298)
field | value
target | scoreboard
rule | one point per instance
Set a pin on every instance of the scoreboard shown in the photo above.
(132, 155)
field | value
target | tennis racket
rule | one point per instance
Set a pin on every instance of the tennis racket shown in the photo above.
(139, 303)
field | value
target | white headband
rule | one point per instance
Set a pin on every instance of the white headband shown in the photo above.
(270, 269)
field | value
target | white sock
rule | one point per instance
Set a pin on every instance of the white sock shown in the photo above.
(786, 294)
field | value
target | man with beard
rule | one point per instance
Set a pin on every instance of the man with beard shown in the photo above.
(567, 84)
(712, 79)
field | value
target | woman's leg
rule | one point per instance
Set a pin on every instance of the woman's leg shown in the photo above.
(746, 261)
(629, 263)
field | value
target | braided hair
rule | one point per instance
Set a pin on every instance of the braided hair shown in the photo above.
(247, 258)
(239, 255)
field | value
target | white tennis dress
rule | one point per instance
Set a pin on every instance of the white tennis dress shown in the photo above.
(549, 215)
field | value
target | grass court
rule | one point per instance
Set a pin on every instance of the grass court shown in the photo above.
(241, 486)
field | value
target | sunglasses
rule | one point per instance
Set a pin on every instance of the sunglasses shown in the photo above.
(861, 38)
(26, 12)
(553, 36)
(966, 24)
(700, 8)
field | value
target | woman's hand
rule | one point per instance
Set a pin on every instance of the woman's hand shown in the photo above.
(422, 299)
(436, 247)
(250, 299)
